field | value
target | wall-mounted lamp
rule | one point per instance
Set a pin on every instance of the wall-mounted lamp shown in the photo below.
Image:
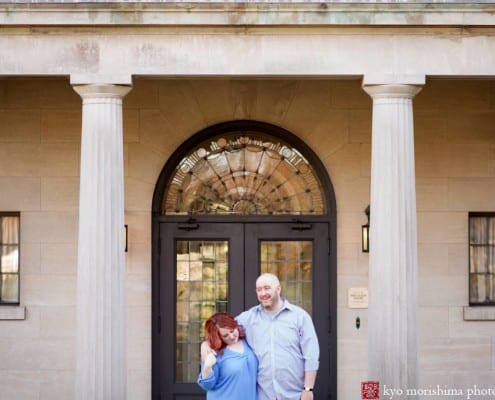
(365, 233)
(126, 229)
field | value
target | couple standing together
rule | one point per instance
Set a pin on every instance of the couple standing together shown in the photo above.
(269, 352)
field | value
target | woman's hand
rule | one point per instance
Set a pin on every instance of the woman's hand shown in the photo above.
(210, 358)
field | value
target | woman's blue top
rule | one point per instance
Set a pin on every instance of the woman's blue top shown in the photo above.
(233, 376)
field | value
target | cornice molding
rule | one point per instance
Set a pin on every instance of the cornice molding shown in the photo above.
(335, 13)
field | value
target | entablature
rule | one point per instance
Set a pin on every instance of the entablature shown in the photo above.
(259, 13)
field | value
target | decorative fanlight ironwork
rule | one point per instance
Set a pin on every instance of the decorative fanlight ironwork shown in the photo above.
(244, 173)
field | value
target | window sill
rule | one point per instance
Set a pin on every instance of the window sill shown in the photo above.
(12, 312)
(481, 313)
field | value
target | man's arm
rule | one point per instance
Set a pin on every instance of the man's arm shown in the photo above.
(309, 382)
(308, 341)
(311, 354)
(309, 379)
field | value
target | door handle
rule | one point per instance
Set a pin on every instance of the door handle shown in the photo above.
(189, 225)
(301, 227)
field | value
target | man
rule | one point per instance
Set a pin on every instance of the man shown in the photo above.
(284, 339)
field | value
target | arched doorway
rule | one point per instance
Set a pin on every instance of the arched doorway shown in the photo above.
(237, 199)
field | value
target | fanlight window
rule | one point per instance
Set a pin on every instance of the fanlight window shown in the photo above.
(244, 173)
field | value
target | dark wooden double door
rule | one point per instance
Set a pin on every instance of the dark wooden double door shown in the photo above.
(204, 267)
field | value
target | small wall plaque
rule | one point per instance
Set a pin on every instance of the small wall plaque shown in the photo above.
(357, 297)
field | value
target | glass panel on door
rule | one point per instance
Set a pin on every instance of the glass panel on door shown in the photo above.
(292, 262)
(202, 290)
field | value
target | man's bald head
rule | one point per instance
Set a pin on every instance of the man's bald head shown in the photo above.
(268, 292)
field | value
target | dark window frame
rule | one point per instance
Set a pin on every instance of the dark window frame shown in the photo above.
(489, 301)
(17, 302)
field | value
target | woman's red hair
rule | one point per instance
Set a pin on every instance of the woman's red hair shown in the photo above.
(212, 335)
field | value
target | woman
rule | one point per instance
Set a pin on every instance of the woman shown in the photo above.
(228, 365)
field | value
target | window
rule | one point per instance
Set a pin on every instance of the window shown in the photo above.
(9, 260)
(482, 258)
(244, 173)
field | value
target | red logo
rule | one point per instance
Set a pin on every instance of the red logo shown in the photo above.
(370, 390)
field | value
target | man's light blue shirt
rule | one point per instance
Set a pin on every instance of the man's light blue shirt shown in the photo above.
(286, 346)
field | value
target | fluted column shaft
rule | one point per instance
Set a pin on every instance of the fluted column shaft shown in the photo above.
(101, 343)
(392, 329)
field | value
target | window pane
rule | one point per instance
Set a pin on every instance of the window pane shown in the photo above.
(181, 331)
(182, 311)
(209, 291)
(195, 329)
(491, 231)
(182, 290)
(481, 288)
(491, 287)
(477, 230)
(9, 288)
(179, 371)
(10, 230)
(491, 259)
(9, 261)
(202, 285)
(479, 258)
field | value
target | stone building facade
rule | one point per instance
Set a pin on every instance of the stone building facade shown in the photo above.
(396, 101)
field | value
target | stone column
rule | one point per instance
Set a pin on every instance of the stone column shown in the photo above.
(392, 326)
(101, 326)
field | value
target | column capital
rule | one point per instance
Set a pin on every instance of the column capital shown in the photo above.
(390, 79)
(397, 91)
(101, 78)
(99, 90)
(398, 86)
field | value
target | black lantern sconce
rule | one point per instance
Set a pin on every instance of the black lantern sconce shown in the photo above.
(365, 233)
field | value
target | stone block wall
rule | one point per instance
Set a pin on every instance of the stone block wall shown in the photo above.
(39, 176)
